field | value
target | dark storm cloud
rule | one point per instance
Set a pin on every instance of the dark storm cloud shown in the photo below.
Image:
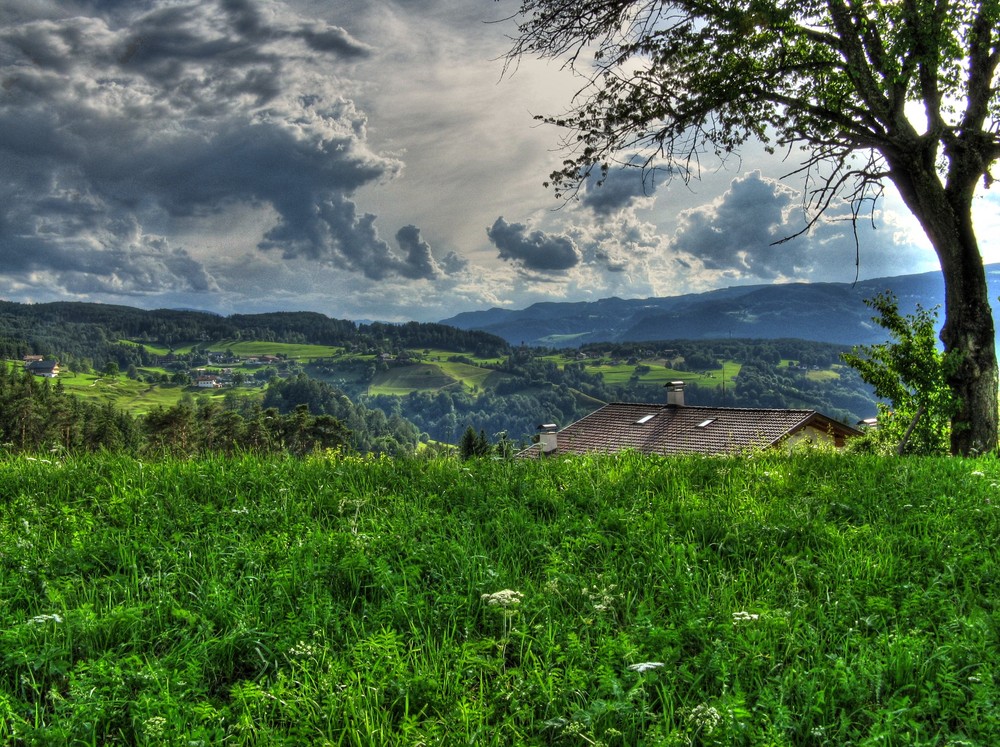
(149, 266)
(739, 234)
(419, 260)
(334, 233)
(145, 114)
(453, 263)
(738, 231)
(608, 262)
(533, 250)
(619, 189)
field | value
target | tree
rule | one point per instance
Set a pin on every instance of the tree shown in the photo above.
(473, 445)
(912, 374)
(674, 81)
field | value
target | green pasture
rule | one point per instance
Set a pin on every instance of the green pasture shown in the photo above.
(814, 600)
(439, 355)
(401, 380)
(470, 376)
(149, 348)
(137, 397)
(244, 348)
(291, 351)
(826, 374)
(658, 374)
(120, 391)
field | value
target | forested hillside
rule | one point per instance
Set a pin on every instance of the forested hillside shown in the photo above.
(297, 417)
(823, 312)
(93, 335)
(388, 387)
(533, 386)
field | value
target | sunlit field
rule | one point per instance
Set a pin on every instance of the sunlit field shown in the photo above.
(772, 600)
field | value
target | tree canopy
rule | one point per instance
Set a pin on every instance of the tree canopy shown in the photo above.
(911, 374)
(871, 92)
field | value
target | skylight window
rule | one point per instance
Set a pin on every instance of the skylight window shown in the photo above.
(645, 419)
(705, 423)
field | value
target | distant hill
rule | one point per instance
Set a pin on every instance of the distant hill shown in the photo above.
(97, 331)
(822, 312)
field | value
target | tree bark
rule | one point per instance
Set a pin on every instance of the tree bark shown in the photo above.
(968, 329)
(946, 216)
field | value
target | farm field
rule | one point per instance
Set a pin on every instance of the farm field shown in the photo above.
(771, 600)
(124, 393)
(401, 380)
(658, 374)
(291, 351)
(137, 397)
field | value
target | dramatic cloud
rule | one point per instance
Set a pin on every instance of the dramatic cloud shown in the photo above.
(620, 189)
(150, 116)
(241, 155)
(419, 261)
(737, 232)
(739, 236)
(533, 250)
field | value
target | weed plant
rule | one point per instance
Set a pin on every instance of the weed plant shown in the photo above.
(772, 600)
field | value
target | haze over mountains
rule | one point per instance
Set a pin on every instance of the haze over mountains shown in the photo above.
(823, 312)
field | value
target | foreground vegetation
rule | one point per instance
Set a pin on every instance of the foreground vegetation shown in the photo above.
(804, 600)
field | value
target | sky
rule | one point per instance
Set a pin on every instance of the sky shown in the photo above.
(366, 159)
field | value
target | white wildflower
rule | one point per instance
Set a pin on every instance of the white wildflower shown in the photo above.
(302, 650)
(977, 473)
(705, 717)
(42, 619)
(154, 726)
(743, 616)
(645, 666)
(503, 598)
(603, 597)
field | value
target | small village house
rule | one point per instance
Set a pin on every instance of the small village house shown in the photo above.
(38, 366)
(676, 428)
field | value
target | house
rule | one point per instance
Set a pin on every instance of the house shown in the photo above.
(47, 368)
(676, 428)
(207, 382)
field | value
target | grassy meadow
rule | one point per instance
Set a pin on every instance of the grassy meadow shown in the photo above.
(771, 600)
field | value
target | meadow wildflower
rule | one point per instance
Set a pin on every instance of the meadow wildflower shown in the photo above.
(42, 619)
(705, 718)
(503, 598)
(743, 616)
(302, 650)
(154, 726)
(602, 597)
(645, 666)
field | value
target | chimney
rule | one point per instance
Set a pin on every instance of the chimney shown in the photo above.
(675, 393)
(547, 440)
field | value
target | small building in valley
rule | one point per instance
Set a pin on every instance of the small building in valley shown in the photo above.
(45, 367)
(676, 428)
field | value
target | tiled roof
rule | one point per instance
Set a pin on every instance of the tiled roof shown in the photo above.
(673, 429)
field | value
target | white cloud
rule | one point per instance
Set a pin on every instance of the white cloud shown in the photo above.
(345, 158)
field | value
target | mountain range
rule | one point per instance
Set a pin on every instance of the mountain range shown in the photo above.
(822, 312)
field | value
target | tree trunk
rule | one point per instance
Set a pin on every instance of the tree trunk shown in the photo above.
(968, 330)
(946, 216)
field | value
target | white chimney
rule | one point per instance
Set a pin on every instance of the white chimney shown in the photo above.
(547, 440)
(675, 393)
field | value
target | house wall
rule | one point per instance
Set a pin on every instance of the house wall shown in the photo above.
(810, 435)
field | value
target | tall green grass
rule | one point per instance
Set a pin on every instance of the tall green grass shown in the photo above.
(806, 600)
